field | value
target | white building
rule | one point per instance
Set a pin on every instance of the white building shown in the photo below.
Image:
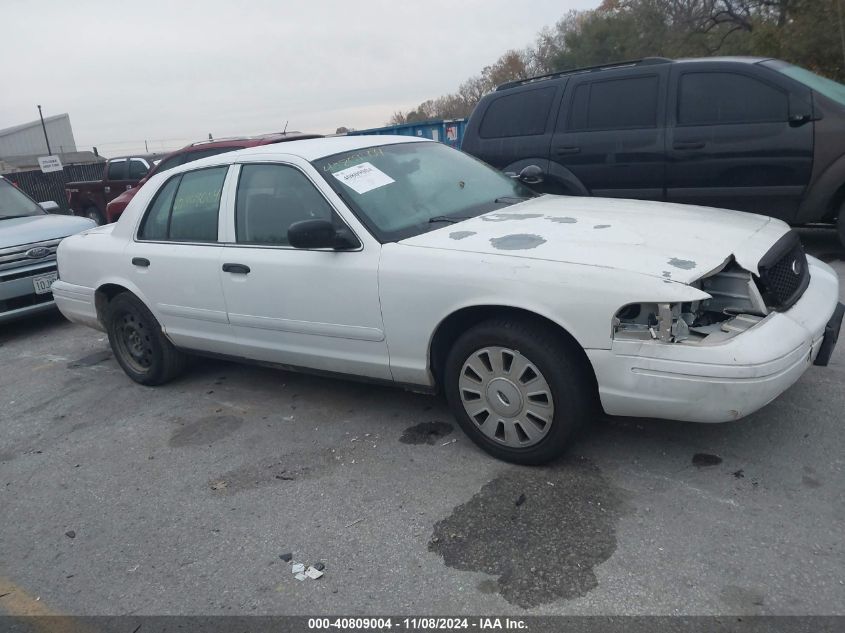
(28, 139)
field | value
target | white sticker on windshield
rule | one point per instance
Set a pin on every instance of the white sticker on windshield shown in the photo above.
(363, 178)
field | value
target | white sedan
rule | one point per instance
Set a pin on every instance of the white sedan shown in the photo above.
(400, 260)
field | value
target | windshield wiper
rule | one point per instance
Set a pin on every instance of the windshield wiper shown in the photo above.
(9, 217)
(445, 218)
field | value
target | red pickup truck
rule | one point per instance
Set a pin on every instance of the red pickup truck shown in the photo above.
(195, 151)
(89, 198)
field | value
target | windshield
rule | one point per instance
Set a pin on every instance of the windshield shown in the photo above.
(405, 189)
(829, 88)
(15, 203)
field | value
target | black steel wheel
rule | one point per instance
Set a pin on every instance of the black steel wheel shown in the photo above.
(138, 343)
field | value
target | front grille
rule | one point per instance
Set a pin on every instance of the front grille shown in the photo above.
(22, 255)
(784, 273)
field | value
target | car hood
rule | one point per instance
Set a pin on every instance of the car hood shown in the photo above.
(670, 241)
(40, 228)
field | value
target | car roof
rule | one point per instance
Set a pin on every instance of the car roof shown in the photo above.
(631, 63)
(316, 148)
(146, 157)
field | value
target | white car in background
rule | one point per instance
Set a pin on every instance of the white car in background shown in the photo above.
(399, 260)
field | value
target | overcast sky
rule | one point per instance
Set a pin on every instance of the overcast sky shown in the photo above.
(173, 71)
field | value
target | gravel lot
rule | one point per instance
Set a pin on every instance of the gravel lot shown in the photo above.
(118, 498)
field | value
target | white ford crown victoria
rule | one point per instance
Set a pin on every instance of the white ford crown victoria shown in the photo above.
(400, 260)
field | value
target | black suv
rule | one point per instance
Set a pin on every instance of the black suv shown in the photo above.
(741, 133)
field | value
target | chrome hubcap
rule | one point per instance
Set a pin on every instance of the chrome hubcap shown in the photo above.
(506, 396)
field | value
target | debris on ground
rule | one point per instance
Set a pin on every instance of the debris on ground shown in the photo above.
(219, 485)
(70, 534)
(739, 474)
(301, 572)
(355, 522)
(520, 500)
(452, 441)
(702, 460)
(288, 557)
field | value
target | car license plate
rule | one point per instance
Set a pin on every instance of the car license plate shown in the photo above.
(43, 283)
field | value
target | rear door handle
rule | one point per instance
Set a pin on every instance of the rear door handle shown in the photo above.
(140, 261)
(688, 145)
(563, 151)
(239, 269)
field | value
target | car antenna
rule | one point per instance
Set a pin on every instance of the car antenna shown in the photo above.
(286, 128)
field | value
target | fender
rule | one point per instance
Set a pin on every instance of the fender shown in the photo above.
(565, 178)
(817, 203)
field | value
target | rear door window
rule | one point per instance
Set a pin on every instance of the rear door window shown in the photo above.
(521, 114)
(117, 170)
(615, 104)
(137, 169)
(712, 98)
(186, 208)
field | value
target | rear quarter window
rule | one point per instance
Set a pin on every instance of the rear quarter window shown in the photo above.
(521, 114)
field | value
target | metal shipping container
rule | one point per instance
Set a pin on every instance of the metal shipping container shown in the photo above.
(448, 131)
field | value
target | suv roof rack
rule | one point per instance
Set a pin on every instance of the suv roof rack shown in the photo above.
(645, 61)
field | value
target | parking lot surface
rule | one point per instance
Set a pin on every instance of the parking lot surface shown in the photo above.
(122, 499)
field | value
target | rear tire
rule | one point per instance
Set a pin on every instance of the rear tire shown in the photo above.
(840, 225)
(138, 343)
(523, 403)
(93, 213)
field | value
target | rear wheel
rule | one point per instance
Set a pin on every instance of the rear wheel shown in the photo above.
(93, 213)
(518, 389)
(840, 225)
(138, 343)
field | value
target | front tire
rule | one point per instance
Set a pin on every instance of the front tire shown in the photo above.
(138, 343)
(518, 389)
(93, 213)
(840, 225)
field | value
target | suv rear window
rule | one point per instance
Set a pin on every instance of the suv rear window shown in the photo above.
(709, 98)
(521, 114)
(616, 104)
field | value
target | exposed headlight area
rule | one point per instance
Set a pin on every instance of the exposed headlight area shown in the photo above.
(735, 305)
(738, 300)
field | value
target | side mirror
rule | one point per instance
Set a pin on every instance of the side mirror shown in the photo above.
(319, 234)
(50, 206)
(531, 175)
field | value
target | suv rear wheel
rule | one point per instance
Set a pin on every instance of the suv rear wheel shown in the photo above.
(518, 389)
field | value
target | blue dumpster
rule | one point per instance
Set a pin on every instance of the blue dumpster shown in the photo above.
(449, 131)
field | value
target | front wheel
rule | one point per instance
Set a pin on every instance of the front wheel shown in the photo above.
(840, 225)
(518, 389)
(93, 213)
(138, 343)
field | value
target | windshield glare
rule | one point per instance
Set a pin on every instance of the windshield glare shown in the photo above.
(395, 190)
(14, 203)
(829, 88)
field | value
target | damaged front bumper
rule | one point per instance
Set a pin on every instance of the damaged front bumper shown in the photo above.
(725, 381)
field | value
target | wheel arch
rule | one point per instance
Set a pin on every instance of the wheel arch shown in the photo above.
(462, 319)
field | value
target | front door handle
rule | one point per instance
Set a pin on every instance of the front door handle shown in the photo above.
(239, 269)
(688, 145)
(140, 261)
(563, 151)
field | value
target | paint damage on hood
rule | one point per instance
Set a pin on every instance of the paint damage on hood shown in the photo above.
(677, 243)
